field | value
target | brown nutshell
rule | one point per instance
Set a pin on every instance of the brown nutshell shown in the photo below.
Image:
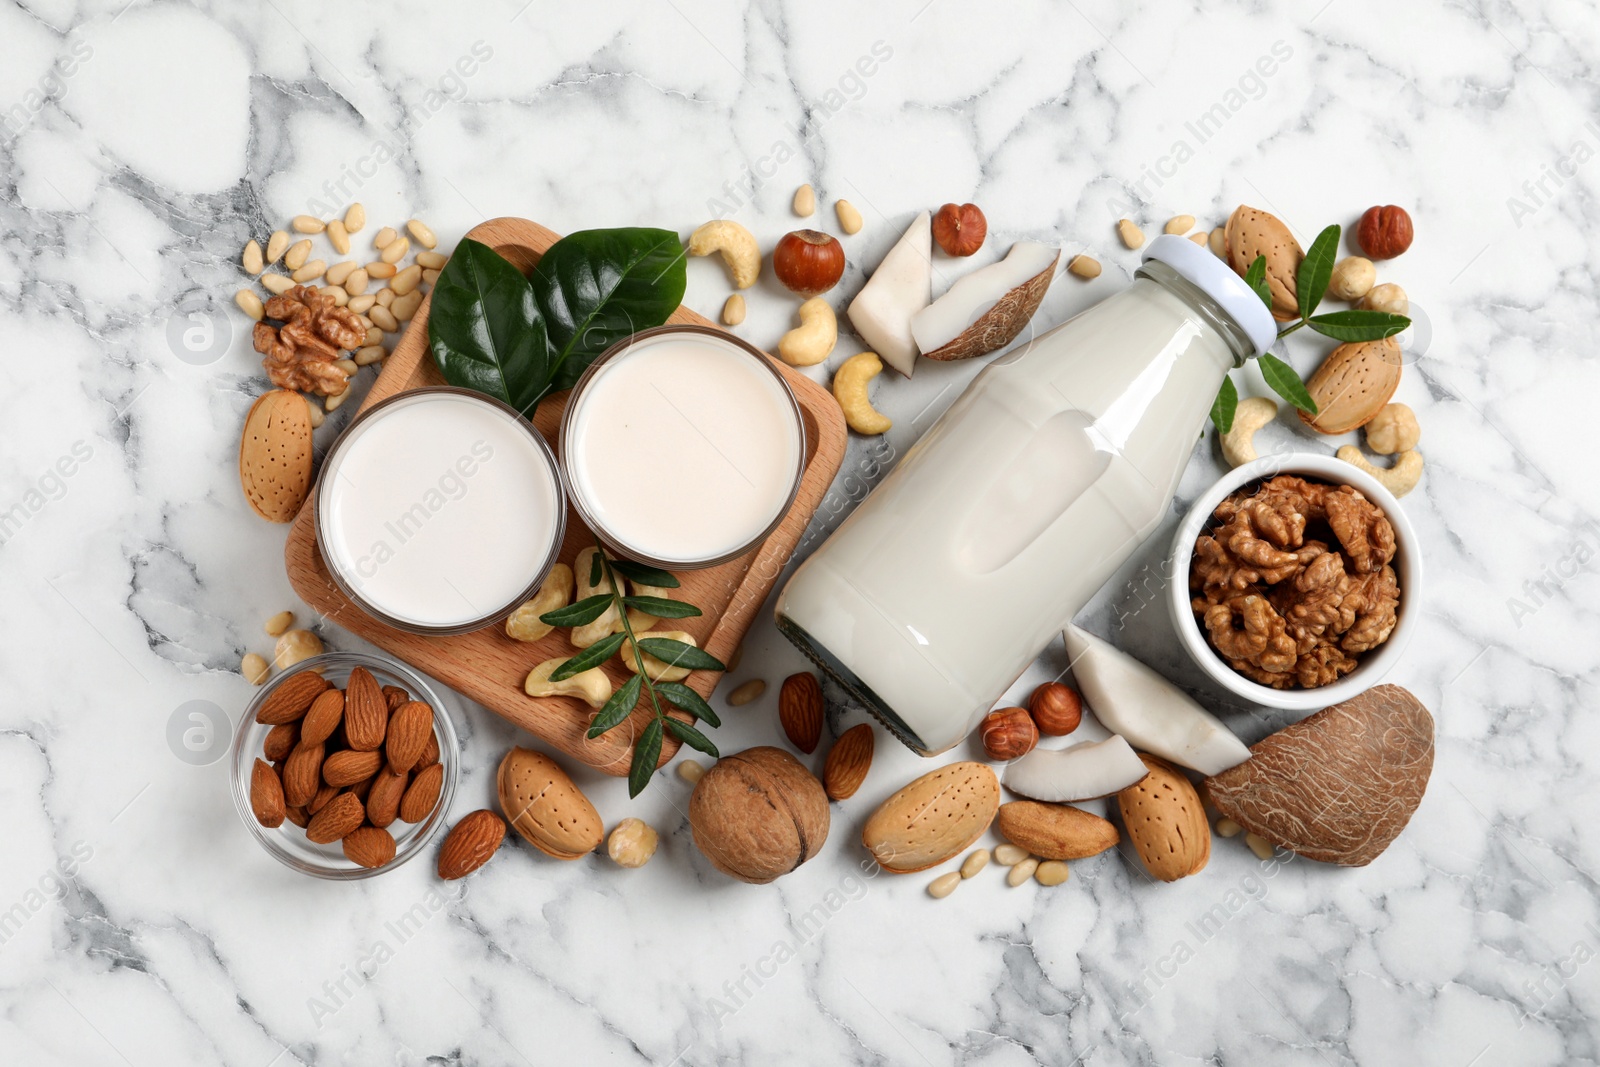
(1384, 231)
(758, 814)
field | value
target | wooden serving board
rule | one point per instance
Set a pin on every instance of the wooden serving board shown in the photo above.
(487, 665)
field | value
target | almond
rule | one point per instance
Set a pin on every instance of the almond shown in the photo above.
(302, 774)
(800, 709)
(394, 696)
(430, 751)
(323, 718)
(275, 455)
(409, 729)
(291, 698)
(1056, 831)
(350, 766)
(363, 788)
(470, 844)
(1166, 821)
(266, 794)
(934, 818)
(383, 800)
(325, 793)
(546, 807)
(422, 794)
(341, 816)
(366, 712)
(369, 846)
(299, 816)
(1252, 232)
(847, 763)
(280, 741)
(1353, 385)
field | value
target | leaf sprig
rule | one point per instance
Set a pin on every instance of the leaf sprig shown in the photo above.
(1311, 282)
(603, 573)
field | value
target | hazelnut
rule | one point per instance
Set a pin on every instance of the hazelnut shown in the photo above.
(1384, 232)
(1008, 733)
(1352, 277)
(1056, 708)
(960, 229)
(808, 262)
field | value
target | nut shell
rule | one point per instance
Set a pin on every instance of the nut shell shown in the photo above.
(934, 818)
(758, 814)
(1166, 821)
(1384, 231)
(1252, 232)
(1008, 733)
(275, 455)
(808, 262)
(1353, 384)
(546, 807)
(1056, 708)
(960, 229)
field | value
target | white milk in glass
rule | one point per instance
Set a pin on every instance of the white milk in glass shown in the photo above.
(1053, 467)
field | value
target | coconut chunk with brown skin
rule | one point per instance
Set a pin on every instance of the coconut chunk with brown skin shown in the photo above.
(985, 310)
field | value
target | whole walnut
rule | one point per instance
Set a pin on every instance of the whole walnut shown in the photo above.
(758, 814)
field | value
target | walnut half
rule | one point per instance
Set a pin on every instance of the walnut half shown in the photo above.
(315, 332)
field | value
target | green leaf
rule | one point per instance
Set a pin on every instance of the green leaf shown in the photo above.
(486, 330)
(678, 654)
(638, 572)
(596, 569)
(592, 656)
(661, 607)
(1286, 383)
(596, 287)
(646, 751)
(692, 737)
(618, 707)
(1359, 325)
(1223, 407)
(1256, 278)
(681, 696)
(584, 611)
(1311, 281)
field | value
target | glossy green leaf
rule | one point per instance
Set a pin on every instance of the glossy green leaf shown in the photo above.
(692, 737)
(1286, 383)
(486, 330)
(681, 696)
(1311, 280)
(597, 571)
(646, 752)
(638, 572)
(1359, 325)
(1223, 407)
(661, 607)
(618, 707)
(592, 656)
(1256, 278)
(678, 654)
(584, 611)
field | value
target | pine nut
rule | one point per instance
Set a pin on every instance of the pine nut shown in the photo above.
(277, 245)
(1199, 238)
(254, 668)
(1226, 827)
(1022, 872)
(340, 272)
(1009, 855)
(1052, 872)
(360, 304)
(314, 409)
(356, 283)
(944, 885)
(374, 336)
(277, 284)
(430, 278)
(339, 237)
(297, 255)
(249, 303)
(355, 217)
(310, 272)
(405, 305)
(747, 692)
(419, 229)
(384, 237)
(383, 319)
(1084, 267)
(333, 402)
(849, 217)
(366, 324)
(975, 862)
(381, 269)
(385, 296)
(369, 355)
(1131, 235)
(1218, 242)
(690, 771)
(252, 260)
(1180, 224)
(395, 250)
(406, 280)
(432, 260)
(733, 310)
(306, 224)
(280, 622)
(347, 365)
(805, 201)
(1259, 845)
(339, 297)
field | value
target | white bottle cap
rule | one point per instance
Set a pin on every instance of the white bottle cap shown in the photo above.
(1197, 263)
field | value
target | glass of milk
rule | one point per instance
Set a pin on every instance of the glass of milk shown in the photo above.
(440, 510)
(1049, 471)
(682, 447)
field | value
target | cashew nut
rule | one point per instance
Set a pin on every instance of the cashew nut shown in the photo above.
(590, 632)
(658, 671)
(810, 342)
(590, 686)
(1399, 479)
(737, 245)
(850, 389)
(1393, 429)
(1238, 444)
(523, 624)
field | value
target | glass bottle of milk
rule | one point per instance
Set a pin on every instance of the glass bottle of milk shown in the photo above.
(1053, 467)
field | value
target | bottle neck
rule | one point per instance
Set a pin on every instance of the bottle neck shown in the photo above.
(1205, 308)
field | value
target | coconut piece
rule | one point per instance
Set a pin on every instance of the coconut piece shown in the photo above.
(1153, 714)
(1338, 787)
(900, 287)
(1082, 772)
(985, 310)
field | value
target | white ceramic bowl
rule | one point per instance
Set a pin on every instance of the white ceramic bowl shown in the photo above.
(1407, 564)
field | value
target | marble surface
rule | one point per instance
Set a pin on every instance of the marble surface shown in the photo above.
(142, 143)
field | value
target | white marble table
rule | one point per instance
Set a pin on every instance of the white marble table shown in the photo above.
(143, 143)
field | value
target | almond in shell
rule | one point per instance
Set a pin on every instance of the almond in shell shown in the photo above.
(934, 818)
(1166, 821)
(302, 774)
(422, 795)
(546, 807)
(800, 710)
(1252, 232)
(409, 729)
(266, 794)
(366, 712)
(342, 815)
(1353, 385)
(275, 455)
(470, 844)
(368, 846)
(292, 697)
(848, 762)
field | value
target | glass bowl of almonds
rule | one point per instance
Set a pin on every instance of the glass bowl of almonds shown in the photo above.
(344, 765)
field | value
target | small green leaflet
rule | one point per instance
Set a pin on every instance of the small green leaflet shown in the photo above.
(592, 656)
(646, 752)
(1359, 325)
(1223, 407)
(1286, 383)
(1256, 278)
(618, 707)
(681, 696)
(661, 607)
(584, 611)
(679, 654)
(638, 572)
(1311, 280)
(596, 570)
(692, 737)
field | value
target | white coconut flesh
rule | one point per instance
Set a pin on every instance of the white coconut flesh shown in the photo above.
(974, 295)
(1082, 772)
(901, 286)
